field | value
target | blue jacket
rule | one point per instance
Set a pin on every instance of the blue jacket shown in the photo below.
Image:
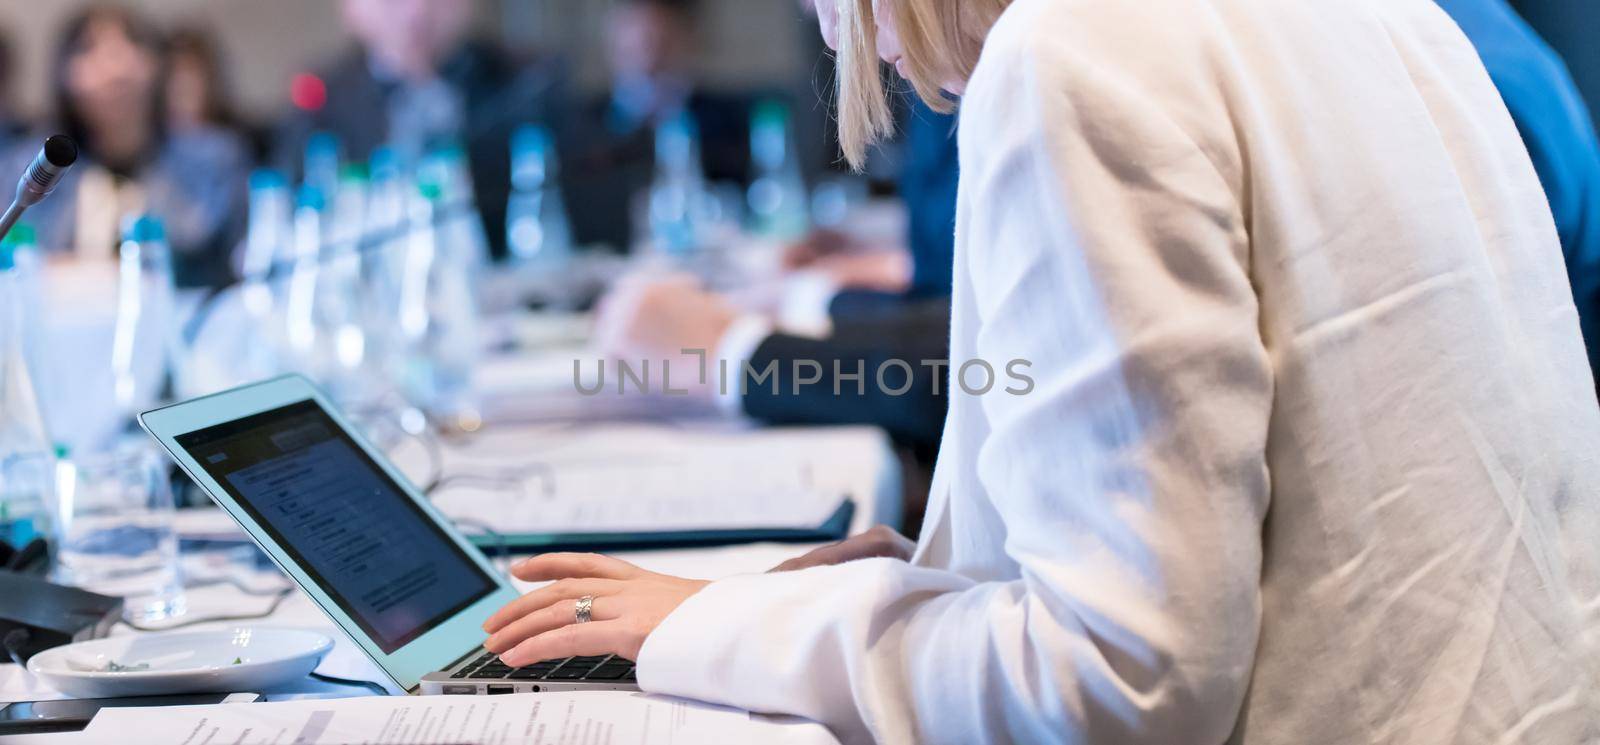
(1559, 133)
(928, 184)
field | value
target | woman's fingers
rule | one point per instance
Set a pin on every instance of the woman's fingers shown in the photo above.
(814, 558)
(566, 589)
(549, 618)
(879, 542)
(564, 566)
(576, 640)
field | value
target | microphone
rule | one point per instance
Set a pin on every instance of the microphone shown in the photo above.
(57, 155)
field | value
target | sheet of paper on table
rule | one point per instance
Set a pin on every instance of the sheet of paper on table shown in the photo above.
(730, 488)
(585, 718)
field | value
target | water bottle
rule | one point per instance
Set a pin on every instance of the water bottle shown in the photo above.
(28, 265)
(348, 214)
(299, 332)
(147, 351)
(322, 162)
(437, 315)
(387, 230)
(339, 334)
(264, 266)
(778, 200)
(27, 457)
(537, 228)
(267, 240)
(678, 191)
(456, 216)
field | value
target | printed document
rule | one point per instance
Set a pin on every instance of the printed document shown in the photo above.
(579, 718)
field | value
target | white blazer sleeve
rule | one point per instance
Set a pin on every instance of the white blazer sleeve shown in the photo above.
(1102, 244)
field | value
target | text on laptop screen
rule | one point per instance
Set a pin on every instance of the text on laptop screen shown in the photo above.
(384, 561)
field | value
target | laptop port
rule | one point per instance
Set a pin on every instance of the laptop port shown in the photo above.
(496, 690)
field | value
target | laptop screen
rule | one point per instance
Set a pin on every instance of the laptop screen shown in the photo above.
(360, 537)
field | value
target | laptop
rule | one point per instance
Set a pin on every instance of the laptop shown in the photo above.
(344, 524)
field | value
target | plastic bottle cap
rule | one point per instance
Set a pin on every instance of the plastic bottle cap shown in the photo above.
(531, 138)
(22, 235)
(311, 197)
(682, 124)
(771, 113)
(144, 228)
(266, 178)
(8, 260)
(430, 190)
(384, 156)
(353, 173)
(323, 143)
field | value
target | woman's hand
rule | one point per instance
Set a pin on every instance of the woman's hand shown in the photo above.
(881, 541)
(629, 603)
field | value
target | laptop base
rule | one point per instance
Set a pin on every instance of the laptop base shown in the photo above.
(483, 674)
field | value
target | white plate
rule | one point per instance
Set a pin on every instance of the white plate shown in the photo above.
(245, 659)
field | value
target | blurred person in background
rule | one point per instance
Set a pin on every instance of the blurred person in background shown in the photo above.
(418, 79)
(107, 78)
(1559, 132)
(198, 92)
(652, 56)
(11, 124)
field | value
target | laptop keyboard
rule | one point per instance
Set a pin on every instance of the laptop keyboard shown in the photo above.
(606, 668)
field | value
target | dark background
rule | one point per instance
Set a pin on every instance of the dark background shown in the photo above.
(1573, 28)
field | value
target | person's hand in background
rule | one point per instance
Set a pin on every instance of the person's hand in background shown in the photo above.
(659, 317)
(655, 319)
(815, 246)
(879, 542)
(848, 263)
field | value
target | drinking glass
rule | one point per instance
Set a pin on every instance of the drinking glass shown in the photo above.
(115, 532)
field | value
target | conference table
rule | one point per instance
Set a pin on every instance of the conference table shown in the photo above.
(564, 434)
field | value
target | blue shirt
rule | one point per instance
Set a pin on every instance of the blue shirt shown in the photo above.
(928, 182)
(1559, 134)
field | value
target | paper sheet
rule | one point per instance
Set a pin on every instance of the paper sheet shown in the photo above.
(584, 718)
(669, 492)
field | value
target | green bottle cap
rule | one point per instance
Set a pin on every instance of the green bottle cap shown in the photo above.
(770, 113)
(22, 236)
(353, 173)
(450, 151)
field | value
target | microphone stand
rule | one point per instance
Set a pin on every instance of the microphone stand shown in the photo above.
(10, 218)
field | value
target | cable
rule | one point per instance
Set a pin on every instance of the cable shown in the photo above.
(507, 480)
(278, 596)
(502, 546)
(14, 641)
(367, 684)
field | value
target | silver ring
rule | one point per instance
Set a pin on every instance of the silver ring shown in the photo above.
(585, 606)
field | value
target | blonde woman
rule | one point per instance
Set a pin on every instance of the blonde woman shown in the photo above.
(1311, 457)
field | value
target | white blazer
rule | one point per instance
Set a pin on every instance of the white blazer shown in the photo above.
(1311, 456)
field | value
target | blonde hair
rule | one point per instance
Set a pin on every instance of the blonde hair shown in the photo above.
(941, 40)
